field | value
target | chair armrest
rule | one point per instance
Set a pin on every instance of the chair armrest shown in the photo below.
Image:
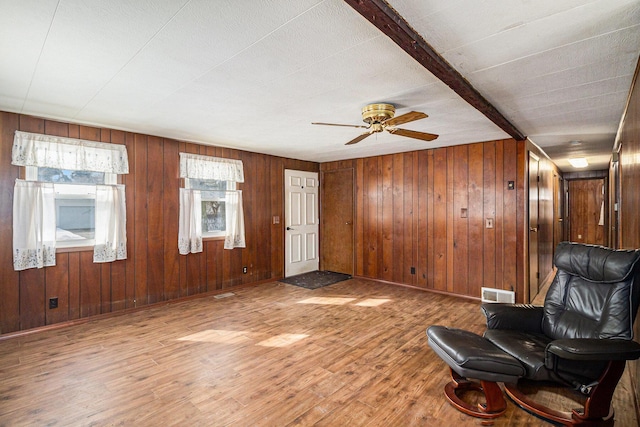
(520, 317)
(594, 349)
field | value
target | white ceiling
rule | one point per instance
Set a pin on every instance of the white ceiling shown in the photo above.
(254, 74)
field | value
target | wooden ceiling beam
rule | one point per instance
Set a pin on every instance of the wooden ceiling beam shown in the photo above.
(387, 20)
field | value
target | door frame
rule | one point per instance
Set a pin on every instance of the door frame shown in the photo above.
(533, 228)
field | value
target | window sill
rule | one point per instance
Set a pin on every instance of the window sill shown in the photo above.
(208, 238)
(74, 249)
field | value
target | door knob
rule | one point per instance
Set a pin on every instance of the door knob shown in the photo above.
(533, 229)
(289, 228)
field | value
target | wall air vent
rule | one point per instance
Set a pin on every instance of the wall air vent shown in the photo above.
(498, 295)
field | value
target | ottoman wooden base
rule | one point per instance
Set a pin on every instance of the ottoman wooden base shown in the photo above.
(494, 405)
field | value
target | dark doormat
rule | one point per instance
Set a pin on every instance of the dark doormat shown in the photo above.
(316, 279)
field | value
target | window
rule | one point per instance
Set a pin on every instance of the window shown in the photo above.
(75, 202)
(210, 203)
(213, 195)
(69, 198)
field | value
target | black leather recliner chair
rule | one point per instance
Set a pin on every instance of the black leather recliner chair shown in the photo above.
(581, 337)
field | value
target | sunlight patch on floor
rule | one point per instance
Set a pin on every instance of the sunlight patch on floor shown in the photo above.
(369, 302)
(282, 340)
(372, 302)
(217, 336)
(327, 300)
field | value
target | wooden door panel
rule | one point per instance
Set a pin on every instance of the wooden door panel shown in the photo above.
(585, 209)
(337, 221)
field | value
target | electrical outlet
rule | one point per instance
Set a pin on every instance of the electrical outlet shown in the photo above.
(413, 270)
(53, 302)
(244, 270)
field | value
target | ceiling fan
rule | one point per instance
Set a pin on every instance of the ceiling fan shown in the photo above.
(380, 117)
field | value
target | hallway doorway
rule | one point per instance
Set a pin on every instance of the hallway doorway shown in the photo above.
(587, 211)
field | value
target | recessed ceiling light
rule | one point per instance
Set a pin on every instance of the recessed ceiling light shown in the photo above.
(579, 162)
(574, 143)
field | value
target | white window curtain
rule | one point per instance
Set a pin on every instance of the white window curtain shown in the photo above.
(34, 215)
(207, 167)
(34, 225)
(190, 227)
(31, 149)
(234, 235)
(196, 166)
(111, 216)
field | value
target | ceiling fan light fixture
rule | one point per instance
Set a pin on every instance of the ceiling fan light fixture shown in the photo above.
(376, 127)
(578, 162)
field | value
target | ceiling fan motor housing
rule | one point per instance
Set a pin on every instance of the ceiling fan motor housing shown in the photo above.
(377, 113)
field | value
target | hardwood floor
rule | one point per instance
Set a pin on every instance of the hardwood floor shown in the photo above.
(354, 353)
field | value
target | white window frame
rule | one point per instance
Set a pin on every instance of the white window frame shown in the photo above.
(231, 186)
(72, 191)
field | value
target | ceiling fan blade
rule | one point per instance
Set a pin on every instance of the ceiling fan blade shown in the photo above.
(337, 124)
(414, 134)
(405, 118)
(358, 139)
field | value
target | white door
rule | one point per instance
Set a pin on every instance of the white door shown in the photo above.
(301, 222)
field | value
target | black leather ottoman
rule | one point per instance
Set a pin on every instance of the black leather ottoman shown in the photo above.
(471, 356)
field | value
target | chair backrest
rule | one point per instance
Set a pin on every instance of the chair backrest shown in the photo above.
(595, 293)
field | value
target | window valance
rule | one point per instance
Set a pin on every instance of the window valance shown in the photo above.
(31, 149)
(207, 167)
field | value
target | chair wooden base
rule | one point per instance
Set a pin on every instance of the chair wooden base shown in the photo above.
(495, 404)
(597, 410)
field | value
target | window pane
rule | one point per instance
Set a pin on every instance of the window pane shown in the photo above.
(75, 218)
(213, 216)
(70, 176)
(207, 184)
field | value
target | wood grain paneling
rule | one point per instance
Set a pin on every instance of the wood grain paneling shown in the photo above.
(9, 294)
(628, 231)
(427, 209)
(140, 220)
(90, 285)
(489, 209)
(129, 182)
(476, 218)
(153, 271)
(155, 219)
(439, 221)
(74, 285)
(57, 279)
(425, 204)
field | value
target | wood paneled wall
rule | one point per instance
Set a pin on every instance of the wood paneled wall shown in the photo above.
(428, 209)
(628, 139)
(154, 271)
